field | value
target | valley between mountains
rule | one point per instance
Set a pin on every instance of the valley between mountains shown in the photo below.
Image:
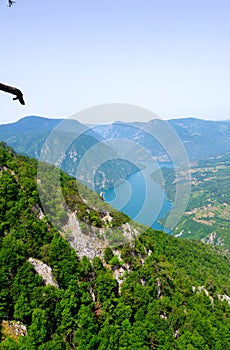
(94, 278)
(114, 221)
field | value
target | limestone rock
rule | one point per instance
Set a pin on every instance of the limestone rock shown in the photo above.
(45, 271)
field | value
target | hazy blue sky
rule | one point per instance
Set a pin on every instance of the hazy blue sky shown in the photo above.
(170, 56)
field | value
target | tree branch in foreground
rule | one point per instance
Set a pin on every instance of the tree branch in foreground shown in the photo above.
(10, 3)
(14, 91)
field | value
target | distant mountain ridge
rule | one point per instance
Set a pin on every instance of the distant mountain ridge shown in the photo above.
(30, 135)
(201, 138)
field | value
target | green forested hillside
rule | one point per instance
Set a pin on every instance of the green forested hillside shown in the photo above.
(157, 292)
(207, 215)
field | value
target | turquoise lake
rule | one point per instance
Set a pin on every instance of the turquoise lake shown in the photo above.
(141, 198)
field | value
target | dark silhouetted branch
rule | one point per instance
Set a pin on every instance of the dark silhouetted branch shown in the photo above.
(11, 2)
(14, 91)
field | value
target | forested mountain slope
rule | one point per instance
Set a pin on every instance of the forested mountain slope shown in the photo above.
(30, 135)
(155, 292)
(207, 216)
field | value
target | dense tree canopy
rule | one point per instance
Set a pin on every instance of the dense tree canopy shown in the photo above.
(153, 305)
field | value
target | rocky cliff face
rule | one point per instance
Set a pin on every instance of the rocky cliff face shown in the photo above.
(91, 241)
(45, 271)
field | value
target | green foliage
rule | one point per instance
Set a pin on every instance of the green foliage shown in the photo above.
(154, 307)
(108, 254)
(115, 262)
(98, 264)
(208, 210)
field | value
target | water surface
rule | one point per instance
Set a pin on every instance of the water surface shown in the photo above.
(141, 198)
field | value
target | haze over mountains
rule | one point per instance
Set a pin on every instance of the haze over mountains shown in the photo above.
(201, 138)
(30, 134)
